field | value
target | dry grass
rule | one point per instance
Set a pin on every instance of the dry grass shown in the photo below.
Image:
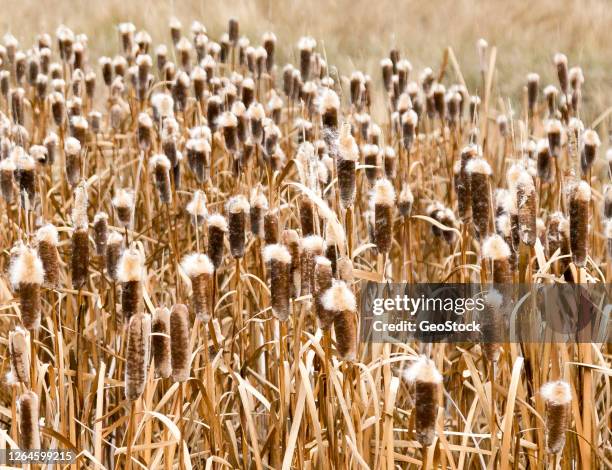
(266, 372)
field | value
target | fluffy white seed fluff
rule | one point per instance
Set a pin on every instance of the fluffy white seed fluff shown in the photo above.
(339, 298)
(542, 146)
(217, 220)
(256, 111)
(313, 244)
(496, 248)
(183, 45)
(576, 75)
(582, 191)
(275, 102)
(533, 77)
(306, 43)
(114, 238)
(27, 268)
(576, 125)
(525, 182)
(164, 104)
(558, 392)
(131, 266)
(553, 126)
(80, 122)
(38, 153)
(144, 60)
(238, 204)
(276, 252)
(7, 165)
(227, 119)
(423, 370)
(591, 138)
(48, 234)
(329, 100)
(369, 149)
(197, 206)
(383, 192)
(79, 208)
(386, 62)
(196, 264)
(259, 200)
(238, 109)
(550, 90)
(347, 147)
(72, 146)
(406, 195)
(560, 59)
(410, 117)
(124, 198)
(478, 165)
(144, 120)
(159, 160)
(322, 261)
(503, 224)
(609, 155)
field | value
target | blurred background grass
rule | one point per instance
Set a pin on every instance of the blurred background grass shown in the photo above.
(358, 33)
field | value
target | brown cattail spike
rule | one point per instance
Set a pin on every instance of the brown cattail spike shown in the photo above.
(27, 275)
(348, 155)
(492, 325)
(137, 354)
(497, 250)
(339, 302)
(123, 202)
(19, 356)
(47, 239)
(427, 382)
(383, 199)
(217, 227)
(100, 226)
(312, 247)
(130, 273)
(557, 398)
(479, 173)
(160, 167)
(160, 342)
(526, 204)
(180, 346)
(322, 282)
(29, 433)
(114, 245)
(200, 270)
(279, 260)
(238, 211)
(291, 240)
(580, 198)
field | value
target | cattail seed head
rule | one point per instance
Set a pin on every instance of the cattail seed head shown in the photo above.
(409, 125)
(279, 260)
(545, 162)
(492, 325)
(217, 226)
(114, 245)
(160, 167)
(533, 83)
(479, 173)
(26, 178)
(427, 382)
(7, 179)
(312, 247)
(562, 72)
(19, 356)
(259, 207)
(383, 200)
(557, 398)
(180, 347)
(145, 130)
(497, 250)
(554, 128)
(47, 240)
(100, 226)
(371, 158)
(197, 207)
(306, 46)
(526, 204)
(137, 351)
(200, 270)
(238, 211)
(322, 282)
(72, 150)
(130, 273)
(123, 203)
(348, 155)
(405, 201)
(29, 433)
(27, 275)
(271, 230)
(160, 342)
(340, 303)
(590, 144)
(291, 240)
(580, 197)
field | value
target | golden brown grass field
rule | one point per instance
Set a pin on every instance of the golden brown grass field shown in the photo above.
(191, 207)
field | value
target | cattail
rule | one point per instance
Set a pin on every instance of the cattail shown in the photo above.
(197, 207)
(160, 167)
(306, 46)
(200, 270)
(137, 354)
(100, 226)
(27, 275)
(123, 202)
(180, 346)
(130, 273)
(526, 204)
(238, 211)
(228, 124)
(322, 282)
(7, 179)
(554, 129)
(383, 200)
(114, 245)
(386, 66)
(259, 206)
(562, 72)
(198, 153)
(279, 260)
(271, 231)
(557, 398)
(607, 205)
(427, 381)
(339, 302)
(496, 249)
(479, 173)
(47, 240)
(579, 200)
(405, 201)
(19, 356)
(590, 144)
(217, 226)
(492, 325)
(329, 109)
(291, 240)
(312, 247)
(533, 83)
(160, 342)
(26, 178)
(371, 157)
(72, 149)
(29, 433)
(348, 154)
(78, 129)
(307, 216)
(545, 161)
(175, 30)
